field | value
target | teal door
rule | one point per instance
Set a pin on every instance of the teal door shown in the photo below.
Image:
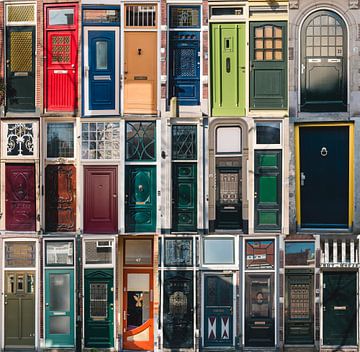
(59, 308)
(99, 308)
(267, 190)
(140, 199)
(184, 210)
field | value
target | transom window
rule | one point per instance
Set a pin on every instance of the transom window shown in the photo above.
(61, 17)
(268, 133)
(228, 139)
(98, 252)
(20, 254)
(60, 140)
(20, 139)
(101, 16)
(138, 252)
(20, 13)
(268, 43)
(178, 252)
(184, 144)
(218, 251)
(140, 15)
(59, 252)
(184, 17)
(260, 254)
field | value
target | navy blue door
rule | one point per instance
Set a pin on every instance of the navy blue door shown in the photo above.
(184, 67)
(101, 67)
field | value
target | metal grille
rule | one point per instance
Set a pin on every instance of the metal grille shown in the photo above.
(229, 188)
(268, 43)
(22, 13)
(185, 62)
(60, 50)
(97, 255)
(20, 254)
(184, 142)
(98, 300)
(140, 16)
(181, 17)
(20, 139)
(21, 49)
(299, 301)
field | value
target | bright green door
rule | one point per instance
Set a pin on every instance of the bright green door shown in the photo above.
(228, 69)
(267, 190)
(59, 308)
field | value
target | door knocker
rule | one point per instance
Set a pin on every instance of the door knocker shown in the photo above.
(324, 152)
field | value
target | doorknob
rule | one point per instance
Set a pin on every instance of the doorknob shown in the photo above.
(302, 179)
(114, 195)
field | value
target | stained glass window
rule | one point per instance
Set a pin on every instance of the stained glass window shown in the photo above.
(184, 142)
(178, 252)
(20, 139)
(20, 254)
(260, 254)
(60, 140)
(184, 17)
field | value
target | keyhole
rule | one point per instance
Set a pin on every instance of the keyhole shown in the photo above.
(324, 151)
(139, 51)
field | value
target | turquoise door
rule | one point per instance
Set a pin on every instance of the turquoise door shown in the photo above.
(59, 308)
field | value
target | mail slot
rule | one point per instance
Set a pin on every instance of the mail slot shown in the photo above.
(59, 72)
(229, 208)
(21, 74)
(340, 308)
(102, 78)
(334, 60)
(140, 78)
(314, 60)
(259, 323)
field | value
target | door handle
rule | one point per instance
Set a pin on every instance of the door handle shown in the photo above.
(302, 179)
(255, 194)
(47, 304)
(228, 65)
(302, 69)
(114, 195)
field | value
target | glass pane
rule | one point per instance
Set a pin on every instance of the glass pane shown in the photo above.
(260, 254)
(21, 52)
(184, 142)
(178, 252)
(219, 290)
(138, 252)
(61, 17)
(98, 300)
(268, 43)
(101, 15)
(60, 292)
(60, 325)
(20, 254)
(268, 31)
(60, 140)
(259, 43)
(277, 32)
(268, 132)
(299, 253)
(59, 253)
(20, 139)
(228, 140)
(259, 32)
(140, 141)
(218, 251)
(98, 253)
(184, 17)
(259, 55)
(259, 297)
(101, 55)
(21, 13)
(269, 55)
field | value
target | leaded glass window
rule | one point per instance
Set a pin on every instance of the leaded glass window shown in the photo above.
(260, 254)
(100, 140)
(140, 141)
(98, 300)
(98, 252)
(178, 252)
(59, 253)
(20, 139)
(20, 254)
(184, 17)
(60, 140)
(184, 142)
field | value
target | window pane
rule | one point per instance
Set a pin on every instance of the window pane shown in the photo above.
(138, 252)
(101, 15)
(59, 253)
(228, 140)
(218, 251)
(299, 253)
(98, 300)
(60, 292)
(140, 15)
(60, 325)
(61, 17)
(20, 139)
(268, 132)
(184, 17)
(178, 252)
(140, 141)
(184, 142)
(101, 55)
(20, 254)
(98, 252)
(60, 140)
(260, 254)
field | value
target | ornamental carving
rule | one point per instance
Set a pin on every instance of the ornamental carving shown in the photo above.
(354, 4)
(20, 139)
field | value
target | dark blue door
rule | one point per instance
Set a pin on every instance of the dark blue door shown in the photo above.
(101, 70)
(184, 66)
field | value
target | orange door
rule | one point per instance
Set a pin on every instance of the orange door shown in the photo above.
(140, 73)
(138, 312)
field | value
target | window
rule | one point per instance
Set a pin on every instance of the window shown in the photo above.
(268, 133)
(228, 140)
(101, 16)
(20, 254)
(138, 252)
(100, 140)
(59, 253)
(269, 43)
(140, 15)
(218, 251)
(184, 17)
(60, 140)
(299, 253)
(61, 17)
(184, 138)
(98, 252)
(178, 252)
(20, 139)
(20, 13)
(259, 254)
(101, 55)
(140, 141)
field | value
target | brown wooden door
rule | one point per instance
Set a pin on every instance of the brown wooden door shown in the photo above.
(20, 197)
(100, 199)
(60, 191)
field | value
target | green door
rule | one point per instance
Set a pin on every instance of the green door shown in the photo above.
(184, 210)
(19, 302)
(267, 190)
(339, 308)
(228, 69)
(140, 198)
(268, 65)
(59, 308)
(99, 308)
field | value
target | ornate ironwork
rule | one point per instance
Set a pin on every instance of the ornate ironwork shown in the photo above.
(184, 142)
(20, 139)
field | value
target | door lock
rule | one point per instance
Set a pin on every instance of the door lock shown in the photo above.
(302, 179)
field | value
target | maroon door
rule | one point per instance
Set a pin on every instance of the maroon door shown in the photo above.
(100, 199)
(60, 190)
(20, 197)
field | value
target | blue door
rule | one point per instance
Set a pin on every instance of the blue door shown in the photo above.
(184, 67)
(101, 70)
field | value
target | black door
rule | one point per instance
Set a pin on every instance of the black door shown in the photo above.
(339, 308)
(323, 63)
(324, 176)
(20, 69)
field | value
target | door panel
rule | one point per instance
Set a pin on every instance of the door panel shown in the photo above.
(228, 69)
(268, 190)
(20, 197)
(141, 199)
(20, 69)
(60, 190)
(339, 311)
(99, 308)
(324, 176)
(184, 210)
(218, 315)
(140, 90)
(59, 308)
(100, 199)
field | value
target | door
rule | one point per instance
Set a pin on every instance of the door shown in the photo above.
(59, 308)
(184, 67)
(138, 310)
(140, 73)
(20, 69)
(19, 300)
(218, 314)
(339, 308)
(259, 311)
(323, 68)
(268, 188)
(228, 69)
(99, 308)
(299, 309)
(20, 197)
(60, 200)
(100, 199)
(324, 177)
(184, 207)
(101, 70)
(140, 199)
(178, 314)
(268, 65)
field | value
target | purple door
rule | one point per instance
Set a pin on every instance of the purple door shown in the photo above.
(100, 199)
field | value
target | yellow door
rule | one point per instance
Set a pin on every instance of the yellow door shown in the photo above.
(140, 72)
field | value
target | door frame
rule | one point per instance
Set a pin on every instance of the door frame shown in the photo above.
(351, 167)
(85, 78)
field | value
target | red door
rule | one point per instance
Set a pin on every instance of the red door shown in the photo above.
(61, 58)
(100, 199)
(20, 197)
